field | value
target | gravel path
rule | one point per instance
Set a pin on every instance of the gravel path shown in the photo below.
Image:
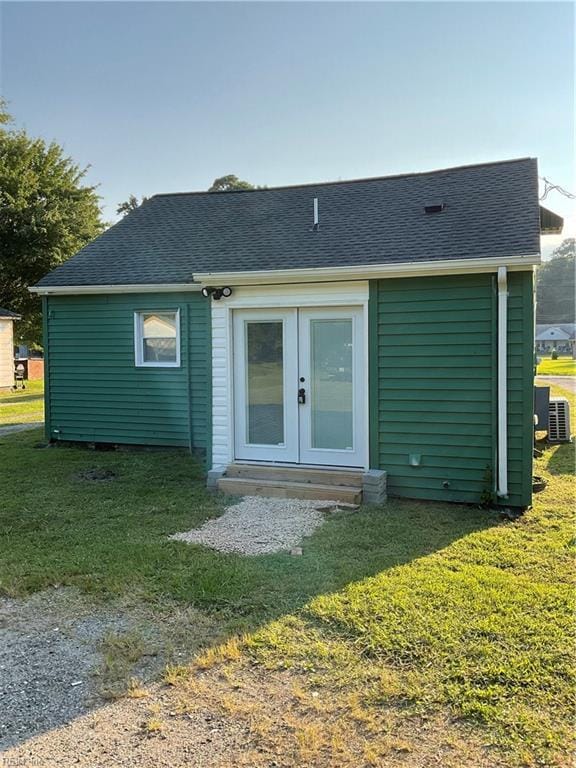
(258, 526)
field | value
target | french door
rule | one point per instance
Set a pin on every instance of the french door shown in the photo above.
(299, 386)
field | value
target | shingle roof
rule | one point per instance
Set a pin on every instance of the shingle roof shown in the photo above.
(491, 210)
(551, 334)
(6, 314)
(543, 328)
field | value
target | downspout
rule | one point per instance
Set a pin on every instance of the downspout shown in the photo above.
(502, 489)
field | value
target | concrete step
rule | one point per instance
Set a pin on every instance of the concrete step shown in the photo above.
(285, 489)
(347, 477)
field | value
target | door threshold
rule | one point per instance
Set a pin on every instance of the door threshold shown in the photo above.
(291, 465)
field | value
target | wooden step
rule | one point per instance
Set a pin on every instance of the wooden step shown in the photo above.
(284, 489)
(346, 477)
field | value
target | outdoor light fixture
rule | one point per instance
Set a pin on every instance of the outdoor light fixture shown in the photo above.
(216, 293)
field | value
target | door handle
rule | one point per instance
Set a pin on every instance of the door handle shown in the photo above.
(302, 396)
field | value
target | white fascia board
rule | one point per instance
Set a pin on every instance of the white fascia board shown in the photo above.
(314, 275)
(322, 274)
(69, 290)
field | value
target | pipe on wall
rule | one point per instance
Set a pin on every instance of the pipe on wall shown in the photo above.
(502, 489)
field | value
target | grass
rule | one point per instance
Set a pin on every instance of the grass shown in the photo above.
(564, 366)
(483, 628)
(23, 405)
(110, 538)
(120, 652)
(152, 726)
(440, 612)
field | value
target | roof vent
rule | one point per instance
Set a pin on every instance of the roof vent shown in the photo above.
(434, 206)
(316, 215)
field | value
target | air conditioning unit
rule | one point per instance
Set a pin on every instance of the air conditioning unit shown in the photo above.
(559, 423)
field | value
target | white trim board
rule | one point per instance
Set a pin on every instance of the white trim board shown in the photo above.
(257, 297)
(73, 290)
(413, 269)
(308, 275)
(297, 295)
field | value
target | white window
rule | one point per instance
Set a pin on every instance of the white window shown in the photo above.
(157, 338)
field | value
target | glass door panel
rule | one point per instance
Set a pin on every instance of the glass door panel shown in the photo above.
(265, 382)
(265, 385)
(332, 373)
(299, 383)
(331, 384)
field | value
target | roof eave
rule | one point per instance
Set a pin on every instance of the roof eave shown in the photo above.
(74, 290)
(550, 222)
(412, 269)
(307, 275)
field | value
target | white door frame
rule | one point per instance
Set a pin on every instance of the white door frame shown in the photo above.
(334, 294)
(296, 447)
(287, 451)
(355, 456)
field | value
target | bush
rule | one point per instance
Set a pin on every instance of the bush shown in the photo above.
(554, 354)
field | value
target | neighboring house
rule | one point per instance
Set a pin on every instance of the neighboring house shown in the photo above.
(7, 320)
(382, 324)
(561, 337)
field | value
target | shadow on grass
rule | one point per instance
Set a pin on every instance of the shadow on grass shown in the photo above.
(562, 459)
(110, 539)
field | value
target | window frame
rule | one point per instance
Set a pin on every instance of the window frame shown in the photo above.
(139, 361)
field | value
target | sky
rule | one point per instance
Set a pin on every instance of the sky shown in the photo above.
(162, 97)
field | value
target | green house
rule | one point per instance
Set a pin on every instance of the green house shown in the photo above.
(375, 328)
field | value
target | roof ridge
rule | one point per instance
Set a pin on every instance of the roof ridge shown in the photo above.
(349, 181)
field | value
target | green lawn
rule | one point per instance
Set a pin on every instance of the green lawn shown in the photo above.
(109, 537)
(23, 405)
(482, 628)
(564, 366)
(420, 608)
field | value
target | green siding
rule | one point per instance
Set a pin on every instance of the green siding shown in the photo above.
(521, 385)
(435, 393)
(96, 391)
(47, 429)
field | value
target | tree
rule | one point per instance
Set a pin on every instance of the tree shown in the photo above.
(229, 184)
(566, 248)
(46, 215)
(5, 117)
(130, 205)
(555, 285)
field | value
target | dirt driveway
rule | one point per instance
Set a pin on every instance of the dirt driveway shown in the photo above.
(62, 657)
(567, 382)
(20, 427)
